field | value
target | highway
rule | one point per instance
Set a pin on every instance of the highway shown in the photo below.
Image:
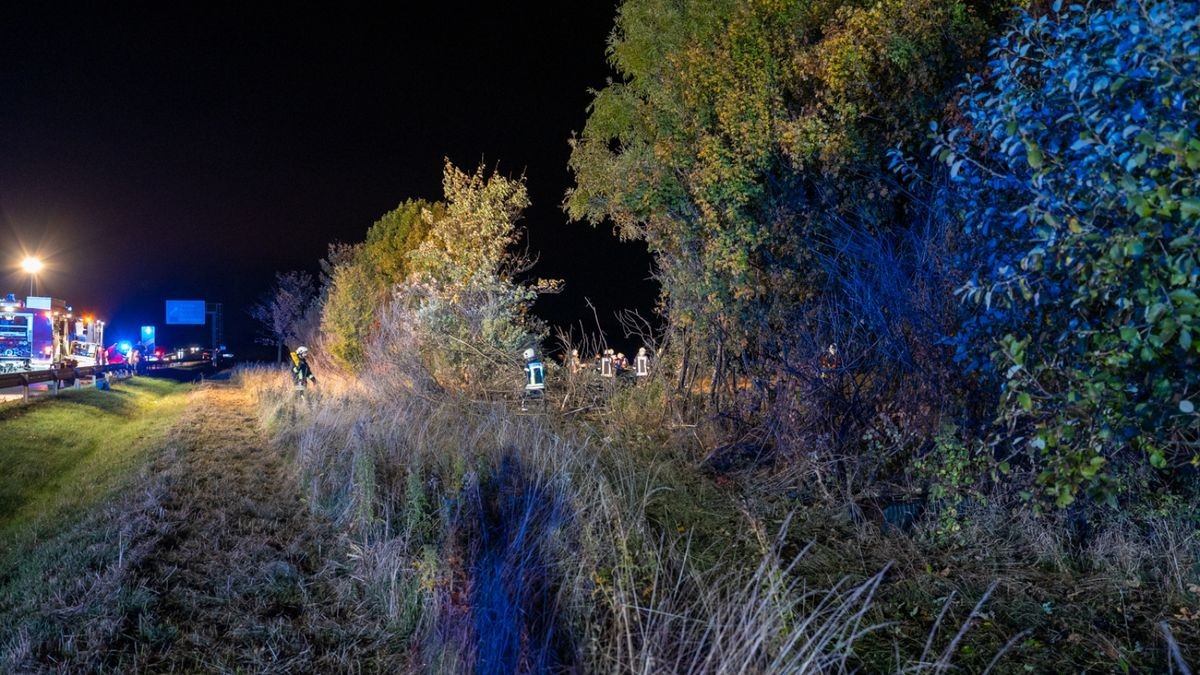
(16, 393)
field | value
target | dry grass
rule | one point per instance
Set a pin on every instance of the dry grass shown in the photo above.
(209, 562)
(379, 524)
(494, 541)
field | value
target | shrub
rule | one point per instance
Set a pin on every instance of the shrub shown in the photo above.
(470, 309)
(362, 276)
(1077, 172)
(740, 136)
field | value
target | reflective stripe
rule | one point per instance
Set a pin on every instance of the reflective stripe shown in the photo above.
(536, 375)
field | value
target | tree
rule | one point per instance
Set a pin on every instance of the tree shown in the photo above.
(282, 309)
(360, 280)
(743, 138)
(471, 306)
(1077, 166)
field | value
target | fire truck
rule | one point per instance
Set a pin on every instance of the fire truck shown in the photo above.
(41, 333)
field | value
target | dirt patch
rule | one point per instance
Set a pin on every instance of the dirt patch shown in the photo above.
(243, 577)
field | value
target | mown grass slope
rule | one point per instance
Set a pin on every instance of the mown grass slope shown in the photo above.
(60, 455)
(64, 464)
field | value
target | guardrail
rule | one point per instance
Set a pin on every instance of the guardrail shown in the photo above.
(57, 378)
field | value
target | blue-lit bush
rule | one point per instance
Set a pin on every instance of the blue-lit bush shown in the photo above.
(1076, 166)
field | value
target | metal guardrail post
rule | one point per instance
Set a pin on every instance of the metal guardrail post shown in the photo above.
(25, 387)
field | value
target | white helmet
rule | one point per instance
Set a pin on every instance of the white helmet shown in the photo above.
(641, 351)
(302, 351)
(528, 354)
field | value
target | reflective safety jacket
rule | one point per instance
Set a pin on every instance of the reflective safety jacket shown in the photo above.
(300, 369)
(535, 376)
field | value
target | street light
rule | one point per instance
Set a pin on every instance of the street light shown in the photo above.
(32, 266)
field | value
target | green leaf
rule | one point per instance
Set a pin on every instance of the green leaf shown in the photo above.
(1033, 154)
(1064, 499)
(1157, 460)
(1154, 312)
(1189, 206)
(1183, 296)
(1025, 401)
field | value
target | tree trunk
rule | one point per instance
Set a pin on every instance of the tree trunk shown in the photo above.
(278, 352)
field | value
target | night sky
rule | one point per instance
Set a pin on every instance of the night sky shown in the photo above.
(171, 152)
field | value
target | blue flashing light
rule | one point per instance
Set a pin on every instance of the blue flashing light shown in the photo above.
(124, 347)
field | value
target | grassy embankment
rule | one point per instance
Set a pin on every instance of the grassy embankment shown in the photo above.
(491, 539)
(63, 462)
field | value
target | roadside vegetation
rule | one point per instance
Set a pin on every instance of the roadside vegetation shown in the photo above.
(65, 465)
(922, 398)
(62, 455)
(924, 381)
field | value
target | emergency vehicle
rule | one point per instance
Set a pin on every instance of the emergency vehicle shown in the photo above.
(40, 332)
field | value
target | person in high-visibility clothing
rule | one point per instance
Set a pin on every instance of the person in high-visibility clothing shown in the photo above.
(641, 363)
(301, 371)
(606, 363)
(535, 379)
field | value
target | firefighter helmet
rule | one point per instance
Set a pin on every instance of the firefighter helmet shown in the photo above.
(302, 351)
(528, 354)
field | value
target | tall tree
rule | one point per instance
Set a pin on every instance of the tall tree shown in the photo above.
(740, 136)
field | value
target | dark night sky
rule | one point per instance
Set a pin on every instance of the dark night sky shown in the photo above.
(161, 152)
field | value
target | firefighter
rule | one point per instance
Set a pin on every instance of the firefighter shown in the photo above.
(301, 371)
(828, 361)
(606, 363)
(641, 363)
(573, 363)
(535, 379)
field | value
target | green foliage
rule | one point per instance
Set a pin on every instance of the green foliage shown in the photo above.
(739, 130)
(361, 281)
(397, 234)
(471, 309)
(1077, 165)
(349, 310)
(952, 470)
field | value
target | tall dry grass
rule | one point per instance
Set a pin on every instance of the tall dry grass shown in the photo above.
(497, 542)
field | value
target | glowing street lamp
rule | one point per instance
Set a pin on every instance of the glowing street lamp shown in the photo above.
(32, 266)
